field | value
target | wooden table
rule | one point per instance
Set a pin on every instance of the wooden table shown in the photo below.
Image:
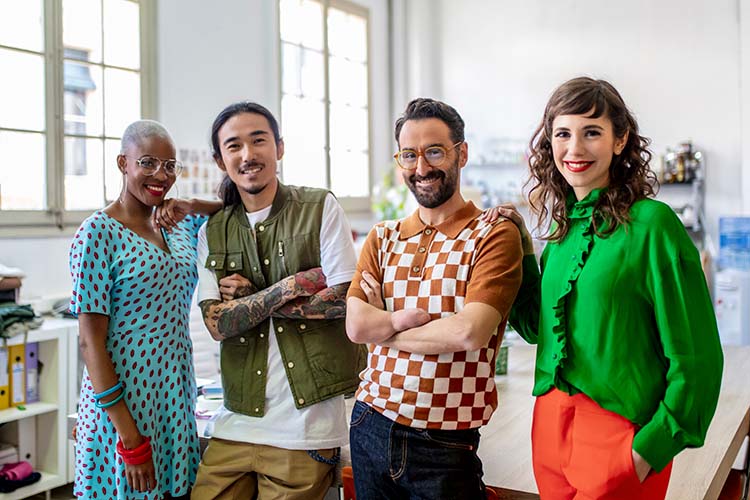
(699, 473)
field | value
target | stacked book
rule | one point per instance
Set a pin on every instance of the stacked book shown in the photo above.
(10, 283)
(209, 401)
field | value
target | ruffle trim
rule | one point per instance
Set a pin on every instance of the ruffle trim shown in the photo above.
(559, 325)
(584, 208)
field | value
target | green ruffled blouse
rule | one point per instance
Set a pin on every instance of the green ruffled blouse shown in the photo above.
(627, 320)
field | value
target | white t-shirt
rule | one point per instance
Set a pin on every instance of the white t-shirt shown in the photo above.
(322, 425)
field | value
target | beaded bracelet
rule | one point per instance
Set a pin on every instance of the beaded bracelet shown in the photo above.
(138, 455)
(109, 391)
(103, 406)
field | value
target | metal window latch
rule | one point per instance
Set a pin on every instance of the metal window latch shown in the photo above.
(57, 217)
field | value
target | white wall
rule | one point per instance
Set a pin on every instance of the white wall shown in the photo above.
(211, 54)
(45, 261)
(676, 63)
(744, 9)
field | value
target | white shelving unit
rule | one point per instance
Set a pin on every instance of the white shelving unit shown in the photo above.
(682, 178)
(73, 393)
(39, 431)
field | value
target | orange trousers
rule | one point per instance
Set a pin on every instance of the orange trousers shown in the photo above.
(583, 452)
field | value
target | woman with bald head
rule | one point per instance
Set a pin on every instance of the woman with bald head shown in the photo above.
(132, 288)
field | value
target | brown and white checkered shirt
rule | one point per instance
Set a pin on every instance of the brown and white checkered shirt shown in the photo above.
(439, 269)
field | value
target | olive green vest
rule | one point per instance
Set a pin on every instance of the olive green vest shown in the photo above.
(319, 359)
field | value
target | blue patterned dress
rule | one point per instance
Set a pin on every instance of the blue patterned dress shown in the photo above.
(147, 294)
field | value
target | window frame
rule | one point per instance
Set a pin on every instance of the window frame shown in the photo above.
(350, 204)
(55, 220)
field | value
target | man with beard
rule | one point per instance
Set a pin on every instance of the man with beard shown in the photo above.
(430, 297)
(274, 265)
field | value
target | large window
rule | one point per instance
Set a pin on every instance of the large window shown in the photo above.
(72, 72)
(325, 110)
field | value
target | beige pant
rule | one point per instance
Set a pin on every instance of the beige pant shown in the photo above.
(230, 470)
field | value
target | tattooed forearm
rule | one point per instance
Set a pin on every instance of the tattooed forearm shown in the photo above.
(244, 291)
(329, 303)
(211, 316)
(235, 317)
(235, 321)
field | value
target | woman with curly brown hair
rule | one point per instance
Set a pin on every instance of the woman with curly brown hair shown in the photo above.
(628, 363)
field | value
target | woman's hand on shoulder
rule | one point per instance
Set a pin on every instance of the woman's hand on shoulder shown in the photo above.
(171, 212)
(509, 211)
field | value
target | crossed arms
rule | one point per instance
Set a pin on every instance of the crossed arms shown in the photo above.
(302, 295)
(412, 330)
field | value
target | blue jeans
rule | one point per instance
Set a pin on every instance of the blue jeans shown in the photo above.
(393, 461)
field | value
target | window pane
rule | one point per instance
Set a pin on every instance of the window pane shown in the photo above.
(349, 173)
(23, 183)
(303, 122)
(302, 72)
(122, 46)
(291, 74)
(302, 22)
(112, 175)
(347, 35)
(21, 24)
(83, 99)
(21, 90)
(348, 81)
(122, 101)
(84, 182)
(305, 166)
(82, 29)
(349, 128)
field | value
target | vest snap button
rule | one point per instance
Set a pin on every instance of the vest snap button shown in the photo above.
(261, 228)
(266, 261)
(301, 401)
(231, 264)
(302, 326)
(280, 329)
(242, 340)
(290, 365)
(259, 372)
(213, 263)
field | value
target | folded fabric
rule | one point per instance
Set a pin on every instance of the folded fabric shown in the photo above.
(11, 314)
(8, 485)
(11, 272)
(17, 471)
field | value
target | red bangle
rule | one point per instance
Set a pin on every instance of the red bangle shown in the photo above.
(134, 454)
(137, 460)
